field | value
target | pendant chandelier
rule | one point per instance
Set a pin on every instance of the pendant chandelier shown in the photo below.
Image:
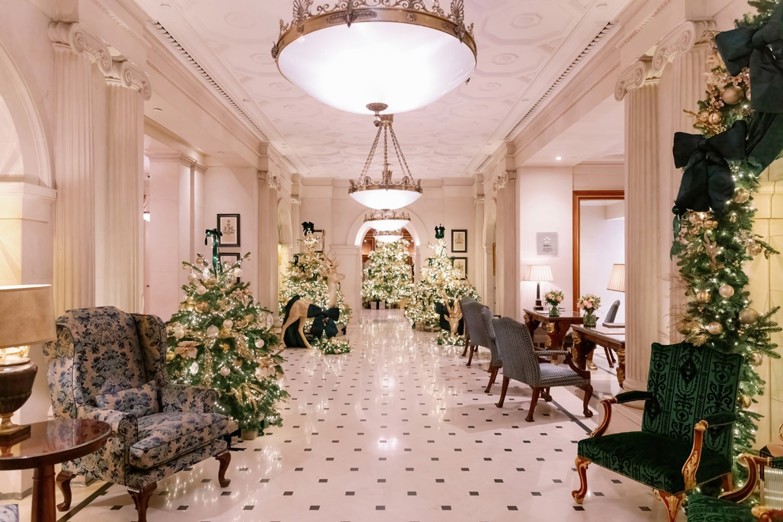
(389, 236)
(385, 194)
(399, 52)
(387, 220)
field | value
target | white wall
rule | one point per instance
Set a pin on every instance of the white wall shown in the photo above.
(602, 241)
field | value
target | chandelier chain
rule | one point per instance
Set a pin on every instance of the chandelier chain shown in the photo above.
(406, 171)
(370, 157)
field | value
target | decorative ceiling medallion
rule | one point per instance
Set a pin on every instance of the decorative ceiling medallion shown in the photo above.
(356, 52)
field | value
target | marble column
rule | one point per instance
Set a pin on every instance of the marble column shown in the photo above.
(681, 60)
(643, 240)
(267, 243)
(123, 241)
(507, 252)
(74, 163)
(479, 259)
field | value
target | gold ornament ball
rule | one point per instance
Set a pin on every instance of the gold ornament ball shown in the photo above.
(202, 307)
(756, 359)
(704, 115)
(716, 118)
(715, 328)
(703, 296)
(684, 327)
(726, 291)
(748, 316)
(741, 195)
(710, 224)
(732, 95)
(755, 249)
(745, 401)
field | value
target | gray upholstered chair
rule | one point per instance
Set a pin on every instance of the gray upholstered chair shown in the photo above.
(612, 312)
(466, 328)
(478, 320)
(523, 363)
(110, 365)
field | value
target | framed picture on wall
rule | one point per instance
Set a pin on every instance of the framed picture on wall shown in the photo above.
(319, 235)
(229, 258)
(461, 264)
(228, 224)
(459, 240)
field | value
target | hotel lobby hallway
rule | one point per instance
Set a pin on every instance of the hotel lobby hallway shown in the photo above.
(399, 429)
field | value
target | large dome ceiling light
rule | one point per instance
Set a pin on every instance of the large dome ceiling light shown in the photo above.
(399, 52)
(387, 220)
(389, 236)
(385, 194)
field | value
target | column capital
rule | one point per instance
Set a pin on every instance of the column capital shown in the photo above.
(131, 76)
(679, 41)
(633, 77)
(500, 182)
(74, 37)
(478, 200)
(296, 200)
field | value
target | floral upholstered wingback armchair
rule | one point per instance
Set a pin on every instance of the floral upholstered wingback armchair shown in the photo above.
(110, 365)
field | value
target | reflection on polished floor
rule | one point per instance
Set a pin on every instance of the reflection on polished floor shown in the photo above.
(399, 430)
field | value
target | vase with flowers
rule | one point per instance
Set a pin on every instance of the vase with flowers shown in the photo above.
(589, 303)
(553, 298)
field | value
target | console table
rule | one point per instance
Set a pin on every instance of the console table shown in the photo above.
(50, 443)
(555, 327)
(585, 340)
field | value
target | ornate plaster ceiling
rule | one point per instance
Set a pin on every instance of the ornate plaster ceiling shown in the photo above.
(523, 46)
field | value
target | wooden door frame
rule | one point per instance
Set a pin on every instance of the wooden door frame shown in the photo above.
(578, 197)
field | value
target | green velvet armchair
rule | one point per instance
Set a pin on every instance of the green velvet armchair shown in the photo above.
(765, 473)
(686, 435)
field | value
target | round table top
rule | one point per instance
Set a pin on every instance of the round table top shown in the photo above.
(55, 441)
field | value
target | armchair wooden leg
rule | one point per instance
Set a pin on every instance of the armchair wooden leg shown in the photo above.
(727, 483)
(673, 503)
(503, 391)
(142, 499)
(64, 483)
(581, 470)
(467, 346)
(533, 402)
(224, 459)
(545, 394)
(588, 388)
(493, 374)
(473, 349)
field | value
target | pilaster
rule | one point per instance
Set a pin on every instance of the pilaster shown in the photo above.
(267, 240)
(507, 233)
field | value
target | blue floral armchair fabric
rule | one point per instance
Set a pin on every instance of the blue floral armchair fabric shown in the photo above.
(109, 365)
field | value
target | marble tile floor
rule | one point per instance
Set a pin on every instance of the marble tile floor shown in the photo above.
(399, 430)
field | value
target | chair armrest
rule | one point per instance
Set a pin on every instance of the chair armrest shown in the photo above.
(720, 420)
(124, 426)
(631, 396)
(185, 398)
(752, 464)
(548, 353)
(766, 513)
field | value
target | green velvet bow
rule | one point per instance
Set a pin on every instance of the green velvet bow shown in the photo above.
(707, 182)
(215, 235)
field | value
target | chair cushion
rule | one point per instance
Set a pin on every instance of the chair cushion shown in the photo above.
(702, 508)
(651, 459)
(9, 513)
(559, 375)
(139, 402)
(165, 436)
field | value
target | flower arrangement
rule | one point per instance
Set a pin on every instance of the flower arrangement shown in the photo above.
(589, 303)
(554, 297)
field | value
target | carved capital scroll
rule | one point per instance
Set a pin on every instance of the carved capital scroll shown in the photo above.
(80, 41)
(680, 41)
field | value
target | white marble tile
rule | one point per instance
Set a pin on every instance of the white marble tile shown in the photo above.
(400, 429)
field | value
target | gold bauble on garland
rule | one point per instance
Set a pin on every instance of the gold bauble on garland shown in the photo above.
(684, 326)
(748, 316)
(703, 296)
(756, 359)
(726, 291)
(716, 118)
(732, 95)
(715, 328)
(202, 307)
(741, 195)
(755, 249)
(745, 401)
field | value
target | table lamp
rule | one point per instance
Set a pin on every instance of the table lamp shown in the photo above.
(26, 317)
(539, 273)
(617, 278)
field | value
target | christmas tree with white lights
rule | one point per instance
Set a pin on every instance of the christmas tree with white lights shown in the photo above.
(221, 338)
(388, 276)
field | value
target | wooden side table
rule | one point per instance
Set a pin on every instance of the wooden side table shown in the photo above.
(585, 340)
(50, 443)
(556, 327)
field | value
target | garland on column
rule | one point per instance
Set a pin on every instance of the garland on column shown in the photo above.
(388, 275)
(740, 136)
(221, 338)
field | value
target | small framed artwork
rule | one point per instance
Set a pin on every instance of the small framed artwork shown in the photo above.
(319, 235)
(461, 264)
(546, 243)
(459, 240)
(229, 258)
(228, 224)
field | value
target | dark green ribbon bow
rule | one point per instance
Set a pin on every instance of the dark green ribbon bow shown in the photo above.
(707, 182)
(760, 49)
(215, 234)
(323, 320)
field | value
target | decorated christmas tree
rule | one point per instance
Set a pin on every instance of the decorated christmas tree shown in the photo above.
(714, 211)
(440, 286)
(312, 278)
(388, 276)
(221, 338)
